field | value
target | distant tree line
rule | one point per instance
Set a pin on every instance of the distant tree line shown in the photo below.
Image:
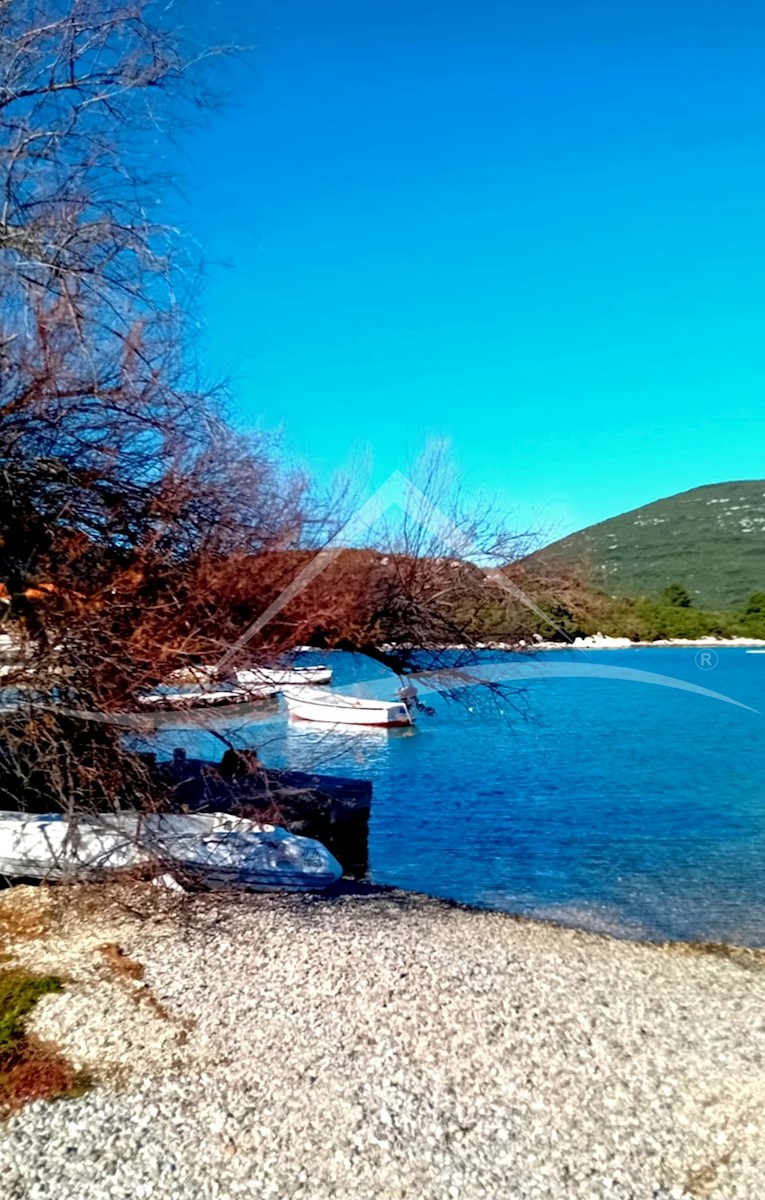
(572, 608)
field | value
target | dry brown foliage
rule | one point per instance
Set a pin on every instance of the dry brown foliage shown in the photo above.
(139, 532)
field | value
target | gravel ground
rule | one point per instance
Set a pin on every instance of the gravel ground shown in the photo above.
(381, 1046)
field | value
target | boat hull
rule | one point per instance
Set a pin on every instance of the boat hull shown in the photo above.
(286, 676)
(212, 850)
(332, 709)
(172, 701)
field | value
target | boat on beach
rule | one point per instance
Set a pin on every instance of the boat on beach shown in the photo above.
(333, 708)
(211, 850)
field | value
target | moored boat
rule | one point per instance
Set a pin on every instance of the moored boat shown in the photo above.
(285, 676)
(206, 698)
(274, 676)
(333, 708)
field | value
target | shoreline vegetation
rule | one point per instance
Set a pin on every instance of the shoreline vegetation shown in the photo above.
(566, 608)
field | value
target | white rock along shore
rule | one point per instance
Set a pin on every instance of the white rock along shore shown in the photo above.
(383, 1047)
(596, 641)
(599, 641)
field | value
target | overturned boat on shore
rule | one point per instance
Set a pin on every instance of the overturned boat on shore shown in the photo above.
(333, 708)
(210, 851)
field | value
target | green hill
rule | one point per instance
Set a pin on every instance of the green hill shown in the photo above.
(711, 540)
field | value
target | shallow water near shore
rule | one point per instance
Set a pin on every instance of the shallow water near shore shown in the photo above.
(604, 803)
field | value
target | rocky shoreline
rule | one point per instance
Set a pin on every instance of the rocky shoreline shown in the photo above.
(598, 641)
(595, 641)
(381, 1046)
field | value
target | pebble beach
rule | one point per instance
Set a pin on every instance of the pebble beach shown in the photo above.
(380, 1046)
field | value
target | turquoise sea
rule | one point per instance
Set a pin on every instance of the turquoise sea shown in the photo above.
(609, 803)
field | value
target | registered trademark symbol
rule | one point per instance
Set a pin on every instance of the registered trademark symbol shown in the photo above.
(707, 660)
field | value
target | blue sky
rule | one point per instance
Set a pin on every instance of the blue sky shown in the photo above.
(535, 230)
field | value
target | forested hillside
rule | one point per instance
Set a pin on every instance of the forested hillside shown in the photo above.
(710, 540)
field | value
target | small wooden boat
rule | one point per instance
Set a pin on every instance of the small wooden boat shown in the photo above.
(285, 676)
(206, 698)
(211, 850)
(276, 676)
(332, 708)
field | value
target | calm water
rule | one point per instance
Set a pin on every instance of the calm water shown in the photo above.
(603, 803)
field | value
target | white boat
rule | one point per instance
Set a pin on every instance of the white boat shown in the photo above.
(207, 698)
(213, 850)
(332, 708)
(755, 651)
(275, 676)
(285, 676)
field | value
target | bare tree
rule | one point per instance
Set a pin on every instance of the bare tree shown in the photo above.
(138, 530)
(98, 409)
(122, 488)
